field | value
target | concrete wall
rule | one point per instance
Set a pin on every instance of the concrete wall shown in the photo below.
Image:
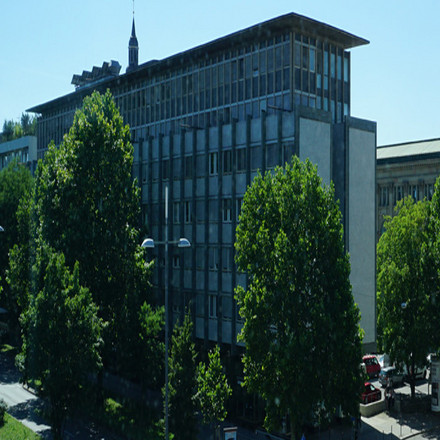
(360, 220)
(314, 144)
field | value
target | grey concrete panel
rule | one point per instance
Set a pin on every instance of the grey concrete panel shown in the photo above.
(255, 130)
(212, 280)
(288, 126)
(200, 280)
(166, 146)
(212, 329)
(241, 184)
(213, 185)
(271, 127)
(227, 282)
(187, 279)
(227, 185)
(227, 135)
(200, 233)
(213, 139)
(226, 332)
(188, 188)
(361, 225)
(241, 133)
(227, 233)
(200, 187)
(213, 233)
(315, 144)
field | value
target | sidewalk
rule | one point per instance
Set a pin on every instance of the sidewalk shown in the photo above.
(402, 426)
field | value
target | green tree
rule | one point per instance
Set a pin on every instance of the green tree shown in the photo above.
(301, 330)
(213, 390)
(406, 282)
(182, 382)
(18, 274)
(88, 206)
(152, 325)
(28, 124)
(61, 336)
(16, 183)
(8, 130)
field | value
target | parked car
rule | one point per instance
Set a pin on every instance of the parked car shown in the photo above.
(372, 365)
(384, 360)
(370, 393)
(390, 376)
(420, 372)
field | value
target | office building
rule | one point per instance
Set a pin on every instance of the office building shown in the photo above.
(410, 168)
(203, 123)
(24, 149)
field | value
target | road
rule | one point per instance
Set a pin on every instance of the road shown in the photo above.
(26, 407)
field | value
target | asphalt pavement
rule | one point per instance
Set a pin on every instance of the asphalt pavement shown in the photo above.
(26, 407)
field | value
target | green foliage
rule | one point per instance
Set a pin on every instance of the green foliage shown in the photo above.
(3, 409)
(301, 330)
(182, 382)
(406, 282)
(152, 325)
(62, 336)
(213, 389)
(14, 430)
(15, 183)
(16, 186)
(14, 130)
(88, 207)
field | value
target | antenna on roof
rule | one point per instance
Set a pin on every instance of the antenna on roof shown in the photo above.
(133, 8)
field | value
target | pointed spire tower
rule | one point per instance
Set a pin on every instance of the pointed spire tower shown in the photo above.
(133, 49)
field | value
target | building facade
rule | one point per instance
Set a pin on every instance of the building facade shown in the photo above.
(24, 149)
(411, 168)
(205, 121)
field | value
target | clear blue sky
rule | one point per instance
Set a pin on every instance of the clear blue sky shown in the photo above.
(395, 79)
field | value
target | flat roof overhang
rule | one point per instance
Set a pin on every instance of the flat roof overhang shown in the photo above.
(288, 22)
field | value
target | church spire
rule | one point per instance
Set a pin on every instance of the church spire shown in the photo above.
(133, 48)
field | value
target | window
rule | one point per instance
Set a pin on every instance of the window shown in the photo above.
(241, 159)
(384, 196)
(213, 258)
(398, 193)
(176, 212)
(239, 203)
(227, 161)
(227, 210)
(414, 192)
(213, 163)
(165, 169)
(188, 167)
(227, 258)
(212, 299)
(176, 261)
(429, 191)
(187, 213)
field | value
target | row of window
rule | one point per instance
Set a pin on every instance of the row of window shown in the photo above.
(417, 192)
(226, 211)
(274, 154)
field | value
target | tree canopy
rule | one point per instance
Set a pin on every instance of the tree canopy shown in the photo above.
(62, 335)
(88, 207)
(213, 390)
(301, 329)
(182, 382)
(406, 280)
(16, 183)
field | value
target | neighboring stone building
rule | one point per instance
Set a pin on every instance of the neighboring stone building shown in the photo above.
(24, 148)
(203, 123)
(411, 168)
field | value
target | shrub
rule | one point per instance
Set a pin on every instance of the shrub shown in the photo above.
(3, 408)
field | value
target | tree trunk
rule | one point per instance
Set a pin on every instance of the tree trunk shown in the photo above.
(412, 381)
(293, 427)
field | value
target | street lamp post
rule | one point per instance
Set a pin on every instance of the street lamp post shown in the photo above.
(181, 243)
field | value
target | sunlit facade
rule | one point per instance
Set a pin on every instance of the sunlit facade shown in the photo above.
(206, 120)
